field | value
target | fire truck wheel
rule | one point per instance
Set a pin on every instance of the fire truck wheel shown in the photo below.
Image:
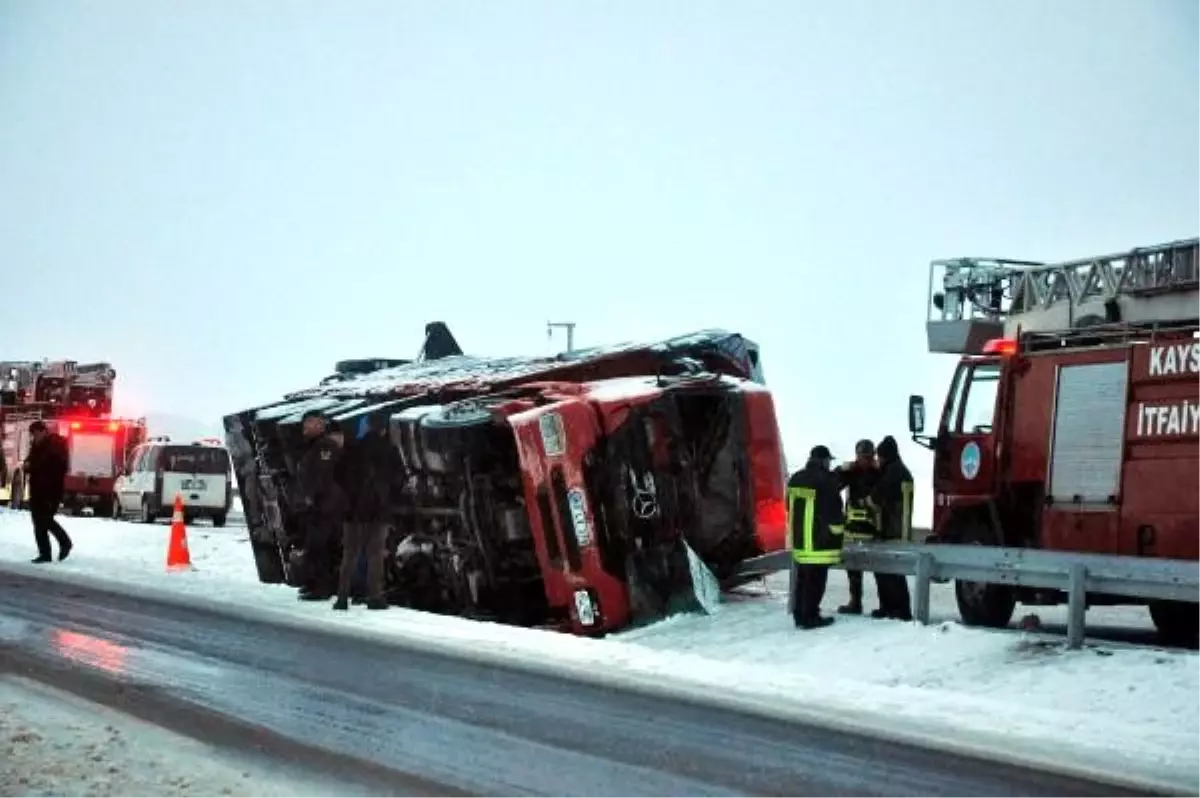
(104, 508)
(1178, 622)
(980, 603)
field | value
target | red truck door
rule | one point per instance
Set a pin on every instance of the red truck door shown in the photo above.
(966, 458)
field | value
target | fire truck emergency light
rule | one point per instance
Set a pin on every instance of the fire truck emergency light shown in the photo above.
(1005, 347)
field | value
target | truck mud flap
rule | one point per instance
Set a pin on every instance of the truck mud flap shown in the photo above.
(662, 584)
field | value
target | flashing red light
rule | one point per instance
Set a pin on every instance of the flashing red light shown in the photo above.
(1005, 347)
(113, 426)
(771, 518)
(76, 425)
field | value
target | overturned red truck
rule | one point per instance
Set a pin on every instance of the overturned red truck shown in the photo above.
(583, 492)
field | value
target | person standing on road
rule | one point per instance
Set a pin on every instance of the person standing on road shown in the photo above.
(46, 466)
(323, 507)
(815, 527)
(369, 469)
(892, 495)
(858, 478)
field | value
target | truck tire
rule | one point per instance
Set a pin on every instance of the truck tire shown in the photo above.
(148, 514)
(1178, 622)
(446, 435)
(219, 519)
(980, 603)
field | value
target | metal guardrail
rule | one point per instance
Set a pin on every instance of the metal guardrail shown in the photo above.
(1076, 574)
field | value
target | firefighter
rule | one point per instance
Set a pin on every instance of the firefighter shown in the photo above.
(892, 496)
(858, 478)
(815, 527)
(322, 507)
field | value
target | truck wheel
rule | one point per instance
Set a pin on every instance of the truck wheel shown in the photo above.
(1178, 622)
(148, 515)
(219, 519)
(117, 512)
(980, 603)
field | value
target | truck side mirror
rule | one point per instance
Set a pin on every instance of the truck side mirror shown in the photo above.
(916, 414)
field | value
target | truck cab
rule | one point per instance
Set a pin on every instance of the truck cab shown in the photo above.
(967, 445)
(646, 492)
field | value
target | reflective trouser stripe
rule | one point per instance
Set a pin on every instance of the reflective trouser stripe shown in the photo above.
(906, 497)
(817, 557)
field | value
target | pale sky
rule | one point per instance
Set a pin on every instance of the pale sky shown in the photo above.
(223, 198)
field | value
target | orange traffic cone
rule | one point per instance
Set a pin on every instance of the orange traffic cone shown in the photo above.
(177, 549)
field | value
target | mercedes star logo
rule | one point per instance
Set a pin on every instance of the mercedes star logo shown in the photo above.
(645, 505)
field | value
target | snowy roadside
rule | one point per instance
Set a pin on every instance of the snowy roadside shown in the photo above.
(52, 743)
(1108, 709)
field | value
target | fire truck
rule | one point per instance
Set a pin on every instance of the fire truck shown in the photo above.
(1071, 420)
(74, 400)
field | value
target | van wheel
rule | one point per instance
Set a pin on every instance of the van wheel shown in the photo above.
(219, 519)
(1178, 622)
(981, 603)
(148, 516)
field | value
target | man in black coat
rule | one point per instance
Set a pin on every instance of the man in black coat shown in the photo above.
(892, 495)
(322, 507)
(46, 468)
(370, 468)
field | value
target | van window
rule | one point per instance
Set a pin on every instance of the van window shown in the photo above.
(195, 460)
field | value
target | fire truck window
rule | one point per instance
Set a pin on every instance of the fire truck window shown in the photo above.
(955, 400)
(980, 407)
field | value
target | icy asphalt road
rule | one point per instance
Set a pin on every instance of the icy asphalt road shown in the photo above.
(422, 724)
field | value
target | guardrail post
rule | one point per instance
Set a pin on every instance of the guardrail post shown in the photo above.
(1076, 604)
(923, 574)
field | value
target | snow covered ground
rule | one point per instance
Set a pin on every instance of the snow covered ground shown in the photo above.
(1109, 708)
(52, 743)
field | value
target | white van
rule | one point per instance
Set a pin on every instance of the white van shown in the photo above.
(199, 472)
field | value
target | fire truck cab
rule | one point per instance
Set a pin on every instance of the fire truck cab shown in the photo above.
(1072, 418)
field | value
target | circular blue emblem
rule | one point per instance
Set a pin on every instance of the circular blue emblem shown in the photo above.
(969, 460)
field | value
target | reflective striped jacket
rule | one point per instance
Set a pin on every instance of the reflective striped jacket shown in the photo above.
(815, 518)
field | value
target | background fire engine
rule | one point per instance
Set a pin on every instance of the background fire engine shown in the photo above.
(75, 401)
(1071, 422)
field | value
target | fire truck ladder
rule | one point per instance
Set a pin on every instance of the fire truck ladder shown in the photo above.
(982, 298)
